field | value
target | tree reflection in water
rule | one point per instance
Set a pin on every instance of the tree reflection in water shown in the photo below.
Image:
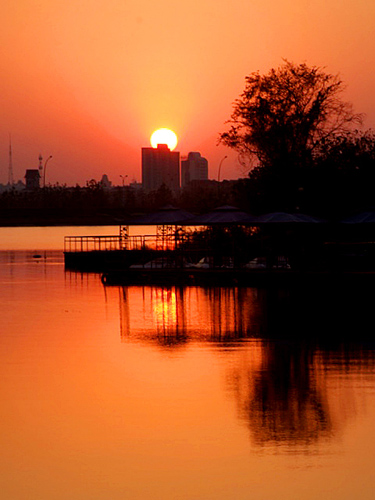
(291, 342)
(284, 400)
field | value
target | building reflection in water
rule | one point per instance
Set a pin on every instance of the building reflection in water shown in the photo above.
(290, 350)
(171, 315)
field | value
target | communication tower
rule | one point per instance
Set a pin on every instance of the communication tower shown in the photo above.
(10, 169)
(40, 164)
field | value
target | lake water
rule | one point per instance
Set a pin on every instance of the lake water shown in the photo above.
(179, 393)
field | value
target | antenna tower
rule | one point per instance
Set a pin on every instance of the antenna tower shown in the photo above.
(10, 170)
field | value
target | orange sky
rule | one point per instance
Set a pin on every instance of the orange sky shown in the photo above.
(88, 81)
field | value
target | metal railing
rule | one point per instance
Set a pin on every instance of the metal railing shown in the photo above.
(91, 243)
(110, 243)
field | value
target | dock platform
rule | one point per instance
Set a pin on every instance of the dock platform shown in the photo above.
(231, 277)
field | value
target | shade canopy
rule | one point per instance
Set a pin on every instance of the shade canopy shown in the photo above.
(225, 214)
(221, 215)
(362, 218)
(165, 216)
(283, 217)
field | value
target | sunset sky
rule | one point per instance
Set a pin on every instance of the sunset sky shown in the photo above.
(88, 81)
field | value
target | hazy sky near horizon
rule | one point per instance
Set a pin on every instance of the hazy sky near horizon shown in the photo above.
(89, 81)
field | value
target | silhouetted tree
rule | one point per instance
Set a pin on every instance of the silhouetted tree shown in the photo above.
(161, 197)
(352, 151)
(343, 176)
(281, 117)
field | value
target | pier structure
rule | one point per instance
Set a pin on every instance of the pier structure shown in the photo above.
(225, 245)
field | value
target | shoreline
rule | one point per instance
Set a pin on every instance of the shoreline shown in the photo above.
(60, 222)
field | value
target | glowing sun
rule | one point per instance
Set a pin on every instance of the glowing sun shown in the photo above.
(164, 136)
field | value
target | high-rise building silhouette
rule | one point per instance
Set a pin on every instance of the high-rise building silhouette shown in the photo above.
(160, 166)
(195, 167)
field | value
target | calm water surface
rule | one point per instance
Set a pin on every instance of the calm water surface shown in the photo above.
(182, 393)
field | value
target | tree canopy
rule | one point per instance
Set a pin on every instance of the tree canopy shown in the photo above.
(282, 117)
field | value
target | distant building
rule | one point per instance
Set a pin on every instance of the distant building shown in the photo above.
(105, 182)
(194, 168)
(135, 185)
(160, 166)
(32, 178)
(17, 186)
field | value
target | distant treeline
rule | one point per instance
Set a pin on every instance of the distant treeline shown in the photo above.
(336, 186)
(96, 204)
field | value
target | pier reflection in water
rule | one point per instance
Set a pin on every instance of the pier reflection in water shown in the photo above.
(291, 347)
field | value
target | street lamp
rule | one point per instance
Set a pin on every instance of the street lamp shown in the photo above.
(219, 169)
(123, 177)
(44, 171)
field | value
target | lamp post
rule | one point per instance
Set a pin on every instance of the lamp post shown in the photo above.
(44, 171)
(219, 169)
(123, 177)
